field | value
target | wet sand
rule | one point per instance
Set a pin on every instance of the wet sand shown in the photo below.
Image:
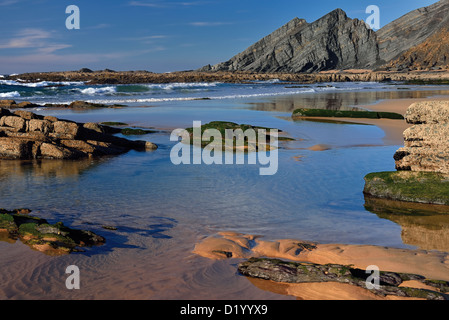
(431, 264)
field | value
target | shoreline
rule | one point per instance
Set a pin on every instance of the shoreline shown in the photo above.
(136, 77)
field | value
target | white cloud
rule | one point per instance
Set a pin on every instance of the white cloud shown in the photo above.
(33, 38)
(208, 23)
(165, 4)
(8, 2)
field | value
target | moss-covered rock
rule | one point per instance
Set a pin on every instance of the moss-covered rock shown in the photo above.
(421, 187)
(135, 132)
(114, 123)
(389, 282)
(361, 114)
(52, 239)
(249, 145)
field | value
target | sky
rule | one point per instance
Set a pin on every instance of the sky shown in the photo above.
(155, 35)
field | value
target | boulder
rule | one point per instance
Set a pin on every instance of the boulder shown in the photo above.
(14, 148)
(43, 126)
(7, 103)
(65, 128)
(13, 122)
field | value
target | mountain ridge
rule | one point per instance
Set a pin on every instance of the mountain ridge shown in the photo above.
(337, 42)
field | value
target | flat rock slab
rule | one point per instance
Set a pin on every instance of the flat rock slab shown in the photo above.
(388, 282)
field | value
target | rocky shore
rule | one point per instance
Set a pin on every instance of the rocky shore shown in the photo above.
(133, 77)
(25, 135)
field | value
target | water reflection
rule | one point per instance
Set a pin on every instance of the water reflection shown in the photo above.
(46, 168)
(338, 100)
(424, 226)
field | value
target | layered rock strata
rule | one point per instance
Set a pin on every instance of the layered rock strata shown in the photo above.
(331, 42)
(426, 147)
(25, 135)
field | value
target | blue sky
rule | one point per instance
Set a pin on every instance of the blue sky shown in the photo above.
(154, 35)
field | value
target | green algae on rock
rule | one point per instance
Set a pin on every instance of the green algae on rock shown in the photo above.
(360, 114)
(260, 141)
(51, 239)
(421, 187)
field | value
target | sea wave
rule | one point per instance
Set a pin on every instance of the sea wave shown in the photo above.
(170, 99)
(101, 90)
(182, 85)
(13, 94)
(39, 84)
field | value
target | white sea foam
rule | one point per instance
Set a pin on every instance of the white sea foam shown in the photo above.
(22, 83)
(233, 96)
(182, 85)
(101, 90)
(13, 94)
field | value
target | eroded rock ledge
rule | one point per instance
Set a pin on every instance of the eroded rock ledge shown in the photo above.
(25, 135)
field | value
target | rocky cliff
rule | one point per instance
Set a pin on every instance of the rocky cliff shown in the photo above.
(414, 41)
(411, 30)
(433, 53)
(332, 42)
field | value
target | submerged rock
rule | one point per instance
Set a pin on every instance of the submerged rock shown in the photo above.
(25, 136)
(299, 114)
(233, 136)
(51, 239)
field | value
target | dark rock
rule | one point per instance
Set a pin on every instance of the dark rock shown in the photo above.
(292, 272)
(85, 70)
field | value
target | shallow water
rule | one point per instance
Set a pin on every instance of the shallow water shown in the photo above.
(161, 210)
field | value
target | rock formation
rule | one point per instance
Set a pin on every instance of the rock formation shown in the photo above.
(427, 141)
(25, 135)
(423, 162)
(331, 42)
